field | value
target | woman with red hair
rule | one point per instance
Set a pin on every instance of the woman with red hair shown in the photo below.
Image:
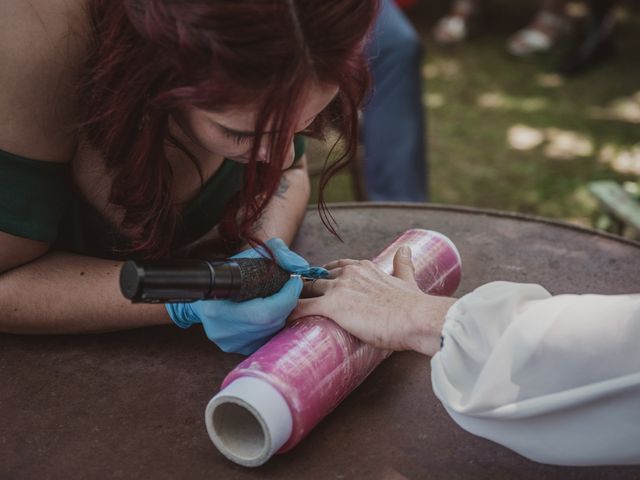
(134, 128)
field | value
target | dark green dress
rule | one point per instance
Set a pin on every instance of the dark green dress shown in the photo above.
(38, 201)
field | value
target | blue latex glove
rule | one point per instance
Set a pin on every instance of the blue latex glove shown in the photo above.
(243, 327)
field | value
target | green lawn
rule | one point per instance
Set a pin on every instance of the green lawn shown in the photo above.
(508, 135)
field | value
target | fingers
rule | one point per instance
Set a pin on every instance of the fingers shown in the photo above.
(310, 306)
(349, 267)
(335, 273)
(278, 304)
(341, 263)
(293, 288)
(403, 266)
(286, 258)
(285, 300)
(250, 253)
(287, 295)
(276, 243)
(314, 272)
(315, 288)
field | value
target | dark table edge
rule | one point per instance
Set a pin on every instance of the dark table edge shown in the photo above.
(481, 211)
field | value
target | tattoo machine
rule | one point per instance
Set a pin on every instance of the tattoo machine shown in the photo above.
(171, 281)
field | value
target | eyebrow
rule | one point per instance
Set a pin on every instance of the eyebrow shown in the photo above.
(248, 133)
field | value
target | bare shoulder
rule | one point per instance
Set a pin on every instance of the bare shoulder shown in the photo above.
(43, 44)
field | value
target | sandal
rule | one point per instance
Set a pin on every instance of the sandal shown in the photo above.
(544, 33)
(459, 24)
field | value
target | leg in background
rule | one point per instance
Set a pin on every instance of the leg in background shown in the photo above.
(394, 125)
(548, 29)
(596, 45)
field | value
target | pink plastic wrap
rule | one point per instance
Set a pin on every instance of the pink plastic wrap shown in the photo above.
(315, 364)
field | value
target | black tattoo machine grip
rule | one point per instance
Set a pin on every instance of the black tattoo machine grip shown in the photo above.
(170, 281)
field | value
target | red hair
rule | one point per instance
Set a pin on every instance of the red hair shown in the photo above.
(151, 58)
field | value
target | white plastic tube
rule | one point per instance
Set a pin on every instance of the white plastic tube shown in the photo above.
(249, 421)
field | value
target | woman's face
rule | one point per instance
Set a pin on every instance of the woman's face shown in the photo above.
(230, 133)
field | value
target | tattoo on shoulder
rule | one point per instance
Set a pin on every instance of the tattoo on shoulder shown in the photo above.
(283, 187)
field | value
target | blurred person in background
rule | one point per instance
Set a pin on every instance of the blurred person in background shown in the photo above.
(393, 126)
(595, 43)
(546, 30)
(550, 30)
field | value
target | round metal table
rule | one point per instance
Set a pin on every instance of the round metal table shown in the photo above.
(131, 404)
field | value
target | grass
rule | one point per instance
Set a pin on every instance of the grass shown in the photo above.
(480, 103)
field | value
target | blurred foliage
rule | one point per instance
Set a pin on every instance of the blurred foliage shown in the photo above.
(512, 135)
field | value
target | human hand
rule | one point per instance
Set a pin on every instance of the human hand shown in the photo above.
(243, 327)
(385, 311)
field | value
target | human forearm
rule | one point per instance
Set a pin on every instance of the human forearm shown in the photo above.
(284, 213)
(64, 293)
(425, 321)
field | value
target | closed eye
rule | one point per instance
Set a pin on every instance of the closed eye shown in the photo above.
(238, 138)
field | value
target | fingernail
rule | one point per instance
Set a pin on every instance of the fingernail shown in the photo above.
(405, 251)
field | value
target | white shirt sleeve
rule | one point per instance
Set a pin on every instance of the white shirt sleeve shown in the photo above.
(557, 379)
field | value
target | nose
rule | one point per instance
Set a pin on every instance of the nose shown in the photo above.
(263, 155)
(262, 152)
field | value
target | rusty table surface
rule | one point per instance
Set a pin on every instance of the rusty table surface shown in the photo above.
(131, 404)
